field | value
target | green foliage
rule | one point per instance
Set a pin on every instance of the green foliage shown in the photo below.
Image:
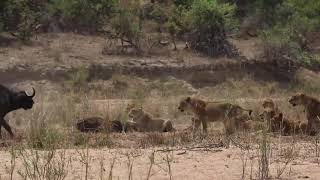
(159, 12)
(286, 24)
(176, 23)
(281, 44)
(2, 8)
(266, 9)
(79, 77)
(183, 3)
(42, 137)
(1, 25)
(210, 13)
(86, 15)
(302, 15)
(172, 27)
(21, 17)
(208, 21)
(278, 44)
(288, 36)
(127, 24)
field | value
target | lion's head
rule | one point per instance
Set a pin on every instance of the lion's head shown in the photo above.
(135, 113)
(297, 99)
(184, 104)
(268, 103)
(190, 104)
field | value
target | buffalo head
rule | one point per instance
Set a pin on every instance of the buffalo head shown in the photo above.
(23, 100)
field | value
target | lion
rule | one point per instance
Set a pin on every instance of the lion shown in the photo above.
(212, 112)
(146, 123)
(312, 109)
(269, 104)
(277, 122)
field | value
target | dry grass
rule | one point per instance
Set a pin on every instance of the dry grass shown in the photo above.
(49, 147)
(51, 127)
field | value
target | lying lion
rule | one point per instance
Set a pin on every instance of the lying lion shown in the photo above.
(312, 109)
(146, 123)
(277, 122)
(205, 112)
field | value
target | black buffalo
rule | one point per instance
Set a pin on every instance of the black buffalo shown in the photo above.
(98, 124)
(12, 100)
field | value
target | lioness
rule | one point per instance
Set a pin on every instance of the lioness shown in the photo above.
(213, 111)
(312, 109)
(146, 123)
(268, 104)
(277, 122)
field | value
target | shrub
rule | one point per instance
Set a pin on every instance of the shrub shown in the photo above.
(2, 8)
(126, 25)
(41, 136)
(288, 38)
(79, 77)
(21, 18)
(80, 15)
(266, 9)
(280, 44)
(183, 3)
(175, 25)
(301, 16)
(207, 22)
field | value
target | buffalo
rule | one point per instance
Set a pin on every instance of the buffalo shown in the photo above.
(12, 100)
(98, 124)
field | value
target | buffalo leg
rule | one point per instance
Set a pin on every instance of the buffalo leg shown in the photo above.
(0, 129)
(7, 127)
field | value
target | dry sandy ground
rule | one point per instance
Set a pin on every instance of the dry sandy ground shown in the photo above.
(191, 165)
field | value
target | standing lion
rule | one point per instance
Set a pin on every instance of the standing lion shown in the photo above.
(146, 123)
(312, 109)
(205, 112)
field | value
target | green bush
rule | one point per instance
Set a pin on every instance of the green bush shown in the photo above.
(2, 8)
(44, 137)
(280, 45)
(127, 25)
(1, 25)
(207, 21)
(301, 15)
(80, 15)
(288, 38)
(210, 13)
(183, 3)
(21, 17)
(266, 9)
(79, 77)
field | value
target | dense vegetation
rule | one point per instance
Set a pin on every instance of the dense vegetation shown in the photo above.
(284, 25)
